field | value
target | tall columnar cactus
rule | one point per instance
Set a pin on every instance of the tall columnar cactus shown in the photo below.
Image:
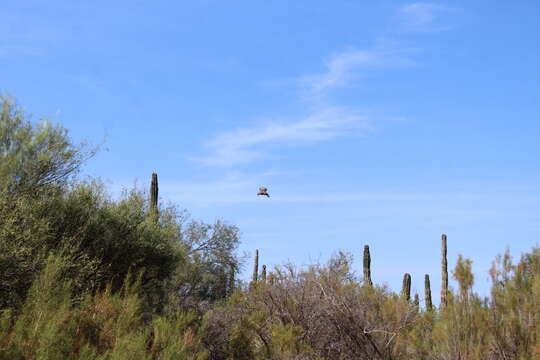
(416, 301)
(367, 266)
(406, 290)
(263, 274)
(444, 286)
(427, 286)
(154, 194)
(255, 267)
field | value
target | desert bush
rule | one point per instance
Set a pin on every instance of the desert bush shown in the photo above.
(318, 313)
(514, 318)
(101, 326)
(503, 326)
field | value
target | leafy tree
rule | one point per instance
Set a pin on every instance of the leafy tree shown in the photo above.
(45, 209)
(36, 164)
(33, 156)
(212, 261)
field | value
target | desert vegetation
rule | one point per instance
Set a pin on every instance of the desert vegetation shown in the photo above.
(86, 276)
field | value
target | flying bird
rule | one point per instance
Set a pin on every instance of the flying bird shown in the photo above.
(263, 191)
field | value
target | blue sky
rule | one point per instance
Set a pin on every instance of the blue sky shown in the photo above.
(384, 123)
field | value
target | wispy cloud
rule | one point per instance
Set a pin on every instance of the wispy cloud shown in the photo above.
(423, 17)
(248, 144)
(244, 145)
(340, 70)
(345, 67)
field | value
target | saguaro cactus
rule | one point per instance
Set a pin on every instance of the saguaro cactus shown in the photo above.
(263, 274)
(444, 285)
(406, 290)
(154, 194)
(427, 286)
(416, 301)
(367, 266)
(255, 267)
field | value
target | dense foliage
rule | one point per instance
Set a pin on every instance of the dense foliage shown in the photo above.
(85, 276)
(45, 209)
